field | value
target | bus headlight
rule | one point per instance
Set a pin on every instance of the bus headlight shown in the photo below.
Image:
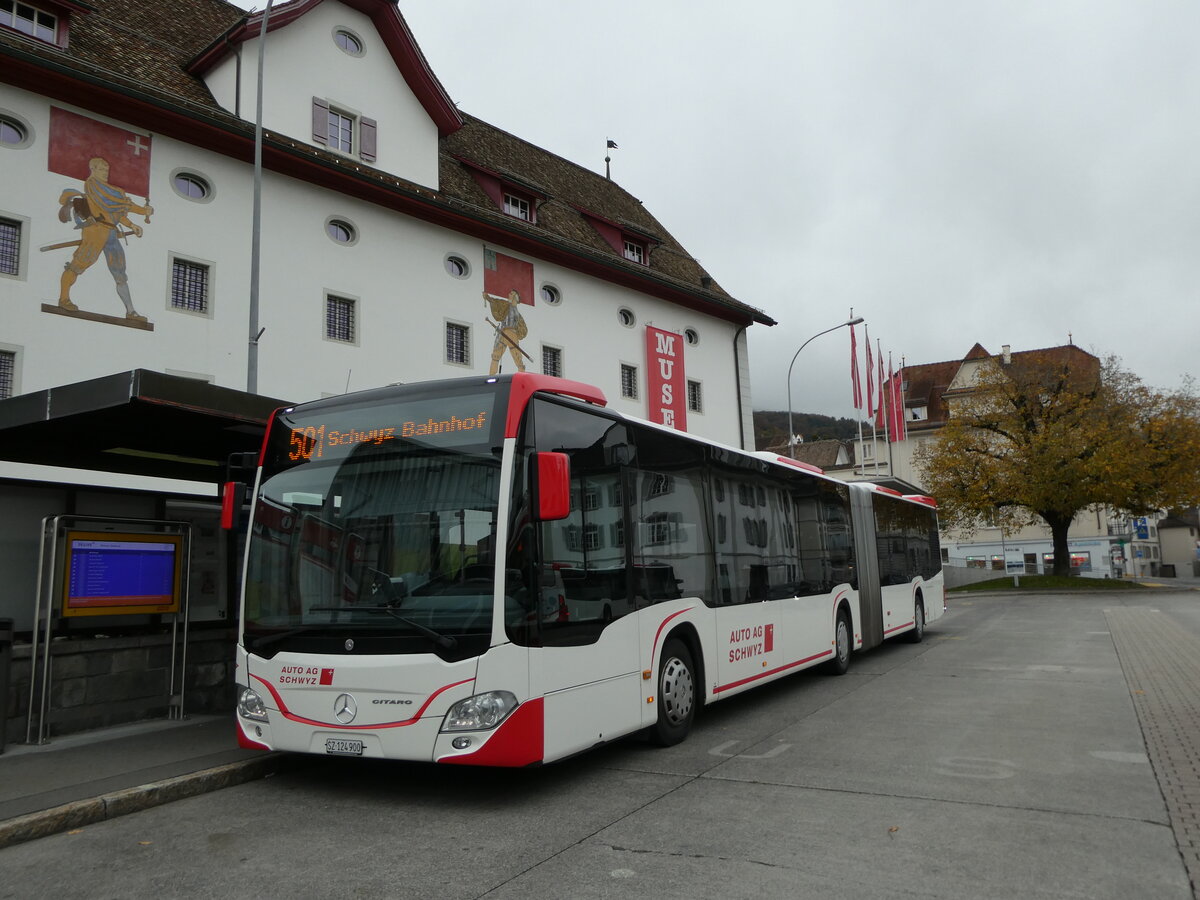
(479, 713)
(250, 705)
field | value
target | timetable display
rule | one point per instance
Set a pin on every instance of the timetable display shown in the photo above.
(109, 573)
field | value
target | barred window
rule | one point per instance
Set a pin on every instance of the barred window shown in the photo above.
(339, 318)
(8, 373)
(10, 247)
(552, 361)
(458, 344)
(695, 398)
(629, 382)
(189, 286)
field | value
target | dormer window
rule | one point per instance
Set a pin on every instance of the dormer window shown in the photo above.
(37, 23)
(629, 241)
(517, 206)
(342, 130)
(512, 195)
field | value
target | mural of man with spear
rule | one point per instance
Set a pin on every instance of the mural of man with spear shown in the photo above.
(510, 331)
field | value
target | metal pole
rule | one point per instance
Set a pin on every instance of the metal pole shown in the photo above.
(256, 223)
(791, 430)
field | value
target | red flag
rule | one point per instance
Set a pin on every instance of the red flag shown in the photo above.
(854, 383)
(502, 274)
(75, 140)
(879, 420)
(895, 404)
(870, 375)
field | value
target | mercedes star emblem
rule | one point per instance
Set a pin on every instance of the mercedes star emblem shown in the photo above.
(349, 643)
(345, 709)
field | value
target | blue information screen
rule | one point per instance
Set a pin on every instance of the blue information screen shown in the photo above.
(114, 572)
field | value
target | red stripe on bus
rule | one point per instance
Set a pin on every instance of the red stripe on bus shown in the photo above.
(767, 674)
(663, 625)
(897, 628)
(288, 714)
(520, 740)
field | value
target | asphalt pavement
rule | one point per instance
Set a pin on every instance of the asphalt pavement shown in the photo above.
(81, 780)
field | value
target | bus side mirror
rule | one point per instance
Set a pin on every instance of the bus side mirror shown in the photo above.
(233, 495)
(552, 486)
(239, 471)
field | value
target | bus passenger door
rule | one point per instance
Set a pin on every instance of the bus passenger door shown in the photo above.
(585, 662)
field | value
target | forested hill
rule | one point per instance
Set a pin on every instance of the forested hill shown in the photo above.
(770, 427)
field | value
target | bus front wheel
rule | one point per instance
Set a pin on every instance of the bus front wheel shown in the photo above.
(676, 694)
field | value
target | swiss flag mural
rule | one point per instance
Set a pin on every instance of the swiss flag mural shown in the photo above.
(502, 274)
(75, 139)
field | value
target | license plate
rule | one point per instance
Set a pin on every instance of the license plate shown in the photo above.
(343, 747)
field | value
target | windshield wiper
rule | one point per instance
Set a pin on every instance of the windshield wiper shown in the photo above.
(442, 640)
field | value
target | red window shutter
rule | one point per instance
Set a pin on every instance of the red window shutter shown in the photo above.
(367, 130)
(320, 120)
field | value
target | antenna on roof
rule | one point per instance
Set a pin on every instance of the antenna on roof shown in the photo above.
(612, 145)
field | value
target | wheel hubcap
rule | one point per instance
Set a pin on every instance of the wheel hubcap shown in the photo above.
(676, 690)
(843, 640)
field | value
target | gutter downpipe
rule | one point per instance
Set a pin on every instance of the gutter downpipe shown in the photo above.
(737, 380)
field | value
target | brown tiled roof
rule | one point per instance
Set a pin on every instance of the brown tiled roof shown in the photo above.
(929, 383)
(142, 48)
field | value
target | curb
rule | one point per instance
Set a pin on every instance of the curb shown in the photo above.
(79, 813)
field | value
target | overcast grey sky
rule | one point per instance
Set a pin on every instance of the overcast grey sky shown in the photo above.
(955, 171)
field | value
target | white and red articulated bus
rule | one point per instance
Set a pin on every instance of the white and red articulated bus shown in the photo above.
(500, 571)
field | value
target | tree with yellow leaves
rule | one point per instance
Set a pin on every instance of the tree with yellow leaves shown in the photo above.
(1053, 432)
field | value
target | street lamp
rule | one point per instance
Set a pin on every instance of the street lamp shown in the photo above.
(256, 215)
(791, 432)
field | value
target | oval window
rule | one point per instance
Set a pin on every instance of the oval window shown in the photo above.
(457, 266)
(691, 336)
(348, 42)
(626, 317)
(13, 133)
(551, 295)
(340, 231)
(191, 186)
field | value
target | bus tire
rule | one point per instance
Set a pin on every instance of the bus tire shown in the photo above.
(842, 640)
(676, 695)
(918, 630)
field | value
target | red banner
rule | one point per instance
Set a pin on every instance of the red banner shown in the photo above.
(502, 274)
(76, 139)
(666, 388)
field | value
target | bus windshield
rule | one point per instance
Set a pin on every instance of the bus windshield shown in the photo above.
(376, 524)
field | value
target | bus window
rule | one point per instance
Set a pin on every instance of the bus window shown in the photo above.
(673, 551)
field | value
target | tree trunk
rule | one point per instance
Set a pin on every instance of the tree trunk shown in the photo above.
(1058, 536)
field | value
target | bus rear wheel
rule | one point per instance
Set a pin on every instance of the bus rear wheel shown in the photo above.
(676, 694)
(840, 663)
(918, 630)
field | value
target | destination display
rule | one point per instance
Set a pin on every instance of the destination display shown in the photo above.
(114, 574)
(436, 422)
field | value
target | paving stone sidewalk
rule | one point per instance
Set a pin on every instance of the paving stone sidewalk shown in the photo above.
(1162, 667)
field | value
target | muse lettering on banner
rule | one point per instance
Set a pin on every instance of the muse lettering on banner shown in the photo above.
(664, 374)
